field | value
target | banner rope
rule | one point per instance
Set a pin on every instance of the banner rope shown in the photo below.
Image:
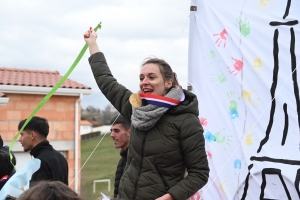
(93, 151)
(172, 40)
(87, 159)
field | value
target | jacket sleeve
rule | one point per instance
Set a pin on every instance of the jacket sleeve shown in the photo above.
(195, 159)
(116, 93)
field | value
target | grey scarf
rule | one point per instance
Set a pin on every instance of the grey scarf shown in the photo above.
(145, 117)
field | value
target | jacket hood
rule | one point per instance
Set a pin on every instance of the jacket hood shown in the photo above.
(188, 105)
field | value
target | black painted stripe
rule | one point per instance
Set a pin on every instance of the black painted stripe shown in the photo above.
(286, 124)
(275, 160)
(289, 23)
(272, 91)
(287, 9)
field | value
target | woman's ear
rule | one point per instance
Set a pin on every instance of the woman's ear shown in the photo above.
(168, 84)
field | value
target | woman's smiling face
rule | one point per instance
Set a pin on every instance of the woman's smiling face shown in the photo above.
(152, 81)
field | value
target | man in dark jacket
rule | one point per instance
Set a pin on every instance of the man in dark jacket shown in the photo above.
(54, 166)
(120, 132)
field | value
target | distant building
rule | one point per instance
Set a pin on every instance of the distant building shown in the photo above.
(105, 129)
(96, 123)
(96, 132)
(85, 127)
(21, 90)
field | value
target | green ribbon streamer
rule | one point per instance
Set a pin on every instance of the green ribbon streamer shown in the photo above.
(52, 91)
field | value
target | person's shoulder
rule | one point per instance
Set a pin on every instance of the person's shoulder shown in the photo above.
(6, 149)
(49, 152)
(60, 155)
(50, 156)
(57, 153)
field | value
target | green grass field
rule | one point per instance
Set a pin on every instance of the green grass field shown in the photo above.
(102, 165)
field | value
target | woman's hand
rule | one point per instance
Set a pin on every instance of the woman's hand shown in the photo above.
(165, 197)
(90, 37)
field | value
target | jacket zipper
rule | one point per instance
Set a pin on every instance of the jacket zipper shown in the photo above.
(162, 178)
(141, 165)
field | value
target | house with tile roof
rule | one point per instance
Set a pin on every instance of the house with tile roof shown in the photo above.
(21, 90)
(85, 127)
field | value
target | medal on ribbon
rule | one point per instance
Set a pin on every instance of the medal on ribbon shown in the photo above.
(161, 101)
(135, 100)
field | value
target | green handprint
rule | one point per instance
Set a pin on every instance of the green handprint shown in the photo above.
(219, 137)
(218, 78)
(243, 26)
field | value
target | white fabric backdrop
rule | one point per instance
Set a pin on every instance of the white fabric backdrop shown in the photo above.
(252, 143)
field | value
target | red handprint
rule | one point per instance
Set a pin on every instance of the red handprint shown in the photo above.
(196, 196)
(237, 67)
(203, 121)
(209, 154)
(221, 38)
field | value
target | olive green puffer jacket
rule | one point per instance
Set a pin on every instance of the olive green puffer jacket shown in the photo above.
(157, 158)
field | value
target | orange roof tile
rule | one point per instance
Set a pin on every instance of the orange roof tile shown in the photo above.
(36, 78)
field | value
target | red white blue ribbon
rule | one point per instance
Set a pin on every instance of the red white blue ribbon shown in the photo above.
(162, 101)
(4, 178)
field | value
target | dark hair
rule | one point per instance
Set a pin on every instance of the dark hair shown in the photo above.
(37, 124)
(1, 142)
(164, 69)
(48, 190)
(119, 119)
(6, 168)
(6, 150)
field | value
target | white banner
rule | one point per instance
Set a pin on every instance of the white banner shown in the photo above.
(243, 55)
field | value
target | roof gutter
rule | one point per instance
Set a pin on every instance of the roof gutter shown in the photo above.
(43, 90)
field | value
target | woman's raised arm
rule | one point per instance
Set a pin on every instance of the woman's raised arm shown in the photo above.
(90, 38)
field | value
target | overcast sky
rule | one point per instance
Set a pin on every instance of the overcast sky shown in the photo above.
(48, 35)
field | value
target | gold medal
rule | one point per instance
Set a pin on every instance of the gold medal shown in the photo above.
(135, 100)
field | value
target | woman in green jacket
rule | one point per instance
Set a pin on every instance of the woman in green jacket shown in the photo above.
(166, 136)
